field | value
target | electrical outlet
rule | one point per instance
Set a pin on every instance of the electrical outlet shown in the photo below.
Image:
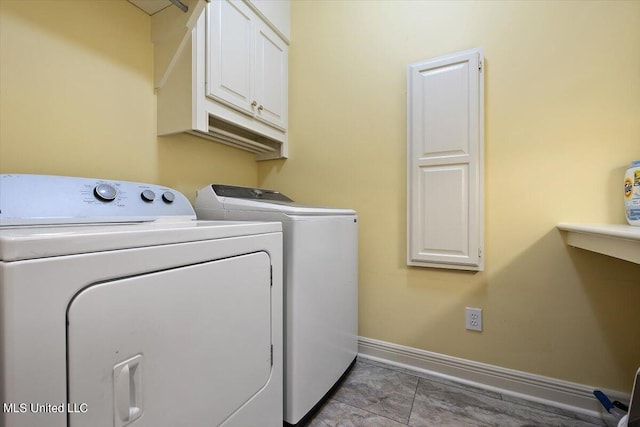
(473, 318)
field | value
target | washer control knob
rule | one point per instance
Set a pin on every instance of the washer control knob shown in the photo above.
(105, 192)
(168, 197)
(148, 196)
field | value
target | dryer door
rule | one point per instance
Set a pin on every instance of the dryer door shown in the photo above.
(181, 347)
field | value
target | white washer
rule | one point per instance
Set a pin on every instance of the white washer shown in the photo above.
(149, 318)
(320, 287)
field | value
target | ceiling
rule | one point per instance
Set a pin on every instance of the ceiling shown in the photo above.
(151, 6)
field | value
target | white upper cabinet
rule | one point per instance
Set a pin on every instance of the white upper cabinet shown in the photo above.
(231, 52)
(271, 78)
(445, 136)
(230, 81)
(247, 67)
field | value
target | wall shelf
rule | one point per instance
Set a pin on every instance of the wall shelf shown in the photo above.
(616, 240)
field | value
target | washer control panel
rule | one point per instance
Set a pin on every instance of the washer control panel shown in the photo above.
(48, 199)
(249, 193)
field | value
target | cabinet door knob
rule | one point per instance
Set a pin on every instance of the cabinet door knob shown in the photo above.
(254, 103)
(260, 108)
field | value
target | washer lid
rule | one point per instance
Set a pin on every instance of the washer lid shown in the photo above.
(233, 198)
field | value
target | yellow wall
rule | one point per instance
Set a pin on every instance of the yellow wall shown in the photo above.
(562, 123)
(562, 107)
(77, 98)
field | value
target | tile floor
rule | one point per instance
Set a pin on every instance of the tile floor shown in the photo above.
(379, 395)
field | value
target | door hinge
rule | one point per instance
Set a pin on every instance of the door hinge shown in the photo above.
(479, 253)
(271, 275)
(271, 354)
(480, 65)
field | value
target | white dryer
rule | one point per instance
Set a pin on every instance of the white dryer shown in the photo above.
(320, 287)
(118, 308)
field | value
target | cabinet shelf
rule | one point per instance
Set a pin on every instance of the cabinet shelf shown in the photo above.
(615, 240)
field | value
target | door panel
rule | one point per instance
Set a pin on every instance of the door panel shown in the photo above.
(445, 229)
(230, 60)
(445, 155)
(444, 93)
(271, 78)
(187, 346)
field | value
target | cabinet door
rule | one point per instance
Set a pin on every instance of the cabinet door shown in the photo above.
(271, 77)
(445, 161)
(230, 28)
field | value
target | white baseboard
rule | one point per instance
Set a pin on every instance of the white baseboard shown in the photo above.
(577, 398)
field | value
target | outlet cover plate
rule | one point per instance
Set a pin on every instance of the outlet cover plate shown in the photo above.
(473, 318)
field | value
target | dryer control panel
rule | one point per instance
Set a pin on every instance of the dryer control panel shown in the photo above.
(49, 199)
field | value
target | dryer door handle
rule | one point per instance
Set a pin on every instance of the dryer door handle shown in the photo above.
(127, 390)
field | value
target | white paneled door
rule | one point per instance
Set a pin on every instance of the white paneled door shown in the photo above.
(445, 114)
(247, 63)
(231, 49)
(271, 78)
